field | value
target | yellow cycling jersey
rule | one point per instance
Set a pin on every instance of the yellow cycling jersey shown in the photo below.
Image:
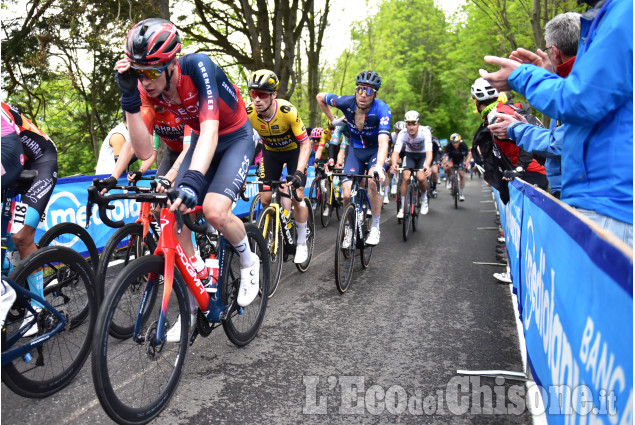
(284, 131)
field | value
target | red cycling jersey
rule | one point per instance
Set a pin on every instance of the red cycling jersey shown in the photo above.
(206, 94)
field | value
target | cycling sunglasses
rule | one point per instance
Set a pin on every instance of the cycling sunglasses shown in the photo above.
(365, 89)
(411, 122)
(261, 94)
(150, 73)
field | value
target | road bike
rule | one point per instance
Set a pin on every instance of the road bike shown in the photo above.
(412, 203)
(135, 377)
(352, 232)
(327, 195)
(280, 234)
(40, 365)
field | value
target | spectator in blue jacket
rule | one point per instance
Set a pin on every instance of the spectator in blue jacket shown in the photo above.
(596, 104)
(561, 35)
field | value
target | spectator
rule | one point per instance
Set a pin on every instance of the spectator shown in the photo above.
(561, 35)
(111, 148)
(596, 104)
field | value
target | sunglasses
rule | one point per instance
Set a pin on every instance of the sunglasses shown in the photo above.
(411, 122)
(365, 89)
(150, 73)
(261, 94)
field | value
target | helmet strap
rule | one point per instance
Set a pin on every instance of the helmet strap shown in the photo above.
(168, 77)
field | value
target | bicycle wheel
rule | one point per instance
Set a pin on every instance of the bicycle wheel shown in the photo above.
(407, 213)
(69, 288)
(242, 323)
(315, 195)
(345, 249)
(267, 226)
(338, 201)
(416, 210)
(72, 236)
(125, 245)
(310, 238)
(135, 378)
(455, 190)
(325, 204)
(366, 251)
(255, 209)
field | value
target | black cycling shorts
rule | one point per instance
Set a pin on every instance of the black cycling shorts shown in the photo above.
(168, 160)
(273, 163)
(228, 170)
(414, 160)
(38, 195)
(12, 159)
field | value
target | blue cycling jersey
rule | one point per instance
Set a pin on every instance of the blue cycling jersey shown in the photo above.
(377, 120)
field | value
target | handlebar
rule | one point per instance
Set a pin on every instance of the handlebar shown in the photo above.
(278, 183)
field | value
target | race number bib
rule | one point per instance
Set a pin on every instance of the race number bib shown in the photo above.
(18, 218)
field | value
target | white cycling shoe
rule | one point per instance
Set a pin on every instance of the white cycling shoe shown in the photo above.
(373, 237)
(424, 207)
(400, 214)
(326, 211)
(348, 236)
(174, 334)
(301, 253)
(249, 282)
(386, 200)
(29, 316)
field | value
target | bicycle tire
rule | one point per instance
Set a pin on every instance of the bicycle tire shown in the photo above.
(76, 299)
(268, 219)
(417, 208)
(338, 200)
(65, 234)
(315, 194)
(126, 373)
(242, 323)
(345, 256)
(407, 213)
(455, 190)
(310, 239)
(325, 203)
(114, 258)
(366, 251)
(255, 209)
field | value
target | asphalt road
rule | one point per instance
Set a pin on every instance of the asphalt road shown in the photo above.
(387, 351)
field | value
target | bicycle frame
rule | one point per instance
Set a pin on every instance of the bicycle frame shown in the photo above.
(275, 203)
(169, 248)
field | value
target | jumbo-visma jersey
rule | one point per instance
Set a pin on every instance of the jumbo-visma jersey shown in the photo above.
(283, 131)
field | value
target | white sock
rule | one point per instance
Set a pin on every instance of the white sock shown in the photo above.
(301, 232)
(244, 252)
(403, 203)
(461, 191)
(376, 220)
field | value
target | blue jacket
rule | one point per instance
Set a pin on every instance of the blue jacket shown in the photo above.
(543, 142)
(595, 104)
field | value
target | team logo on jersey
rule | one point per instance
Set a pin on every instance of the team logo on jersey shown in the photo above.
(264, 127)
(275, 127)
(384, 120)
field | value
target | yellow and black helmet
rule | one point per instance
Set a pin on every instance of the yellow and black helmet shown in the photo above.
(455, 137)
(265, 80)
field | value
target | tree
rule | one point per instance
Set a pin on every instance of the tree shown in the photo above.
(313, 50)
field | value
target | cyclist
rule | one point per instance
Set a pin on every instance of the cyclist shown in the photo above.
(417, 144)
(215, 166)
(368, 120)
(285, 142)
(457, 152)
(399, 126)
(437, 154)
(40, 153)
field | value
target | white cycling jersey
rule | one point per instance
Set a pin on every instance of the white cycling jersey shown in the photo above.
(422, 141)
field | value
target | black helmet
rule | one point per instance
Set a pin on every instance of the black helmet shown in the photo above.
(153, 41)
(263, 79)
(368, 78)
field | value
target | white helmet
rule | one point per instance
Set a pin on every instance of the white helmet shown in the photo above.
(482, 90)
(400, 125)
(411, 116)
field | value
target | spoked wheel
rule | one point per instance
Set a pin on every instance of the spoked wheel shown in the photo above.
(345, 249)
(69, 288)
(407, 213)
(310, 238)
(255, 209)
(135, 378)
(366, 251)
(242, 323)
(267, 226)
(71, 235)
(324, 205)
(455, 190)
(124, 246)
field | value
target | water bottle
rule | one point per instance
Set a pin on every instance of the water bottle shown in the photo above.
(201, 270)
(211, 264)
